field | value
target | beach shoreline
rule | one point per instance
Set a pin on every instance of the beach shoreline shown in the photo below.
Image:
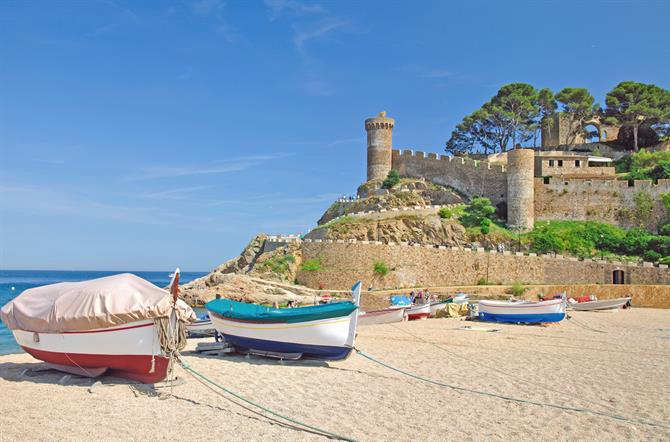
(615, 364)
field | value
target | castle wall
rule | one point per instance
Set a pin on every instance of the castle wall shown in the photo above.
(469, 177)
(430, 266)
(610, 201)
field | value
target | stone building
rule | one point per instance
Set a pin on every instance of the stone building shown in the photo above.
(530, 184)
(561, 131)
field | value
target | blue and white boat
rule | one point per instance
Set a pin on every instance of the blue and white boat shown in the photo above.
(523, 311)
(322, 331)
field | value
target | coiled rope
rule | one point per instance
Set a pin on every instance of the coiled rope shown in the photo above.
(311, 428)
(513, 399)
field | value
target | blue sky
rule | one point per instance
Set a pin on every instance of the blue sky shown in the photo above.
(148, 135)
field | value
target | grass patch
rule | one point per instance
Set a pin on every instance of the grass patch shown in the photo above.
(312, 265)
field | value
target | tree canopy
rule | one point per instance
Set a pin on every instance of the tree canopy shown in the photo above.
(579, 105)
(633, 104)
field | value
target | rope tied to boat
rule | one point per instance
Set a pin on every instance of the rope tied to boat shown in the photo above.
(513, 399)
(306, 427)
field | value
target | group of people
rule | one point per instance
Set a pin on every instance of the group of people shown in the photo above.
(350, 198)
(421, 297)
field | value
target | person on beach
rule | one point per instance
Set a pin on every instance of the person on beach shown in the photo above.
(412, 295)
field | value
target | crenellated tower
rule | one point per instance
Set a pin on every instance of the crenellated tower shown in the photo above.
(380, 144)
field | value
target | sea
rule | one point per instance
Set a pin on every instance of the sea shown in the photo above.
(14, 282)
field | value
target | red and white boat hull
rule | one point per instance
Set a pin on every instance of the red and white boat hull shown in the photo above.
(130, 351)
(421, 311)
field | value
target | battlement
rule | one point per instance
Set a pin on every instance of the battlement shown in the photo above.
(661, 185)
(431, 156)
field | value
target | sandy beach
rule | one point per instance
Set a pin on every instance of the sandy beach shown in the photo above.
(612, 363)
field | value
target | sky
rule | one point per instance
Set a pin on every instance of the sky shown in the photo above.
(151, 135)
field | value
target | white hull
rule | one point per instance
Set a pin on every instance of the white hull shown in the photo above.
(135, 338)
(604, 304)
(385, 316)
(201, 327)
(332, 332)
(436, 307)
(526, 312)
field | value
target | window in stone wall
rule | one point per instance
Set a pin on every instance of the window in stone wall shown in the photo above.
(546, 180)
(551, 163)
(560, 163)
(578, 163)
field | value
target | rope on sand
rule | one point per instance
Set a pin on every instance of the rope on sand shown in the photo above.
(312, 429)
(512, 399)
(582, 325)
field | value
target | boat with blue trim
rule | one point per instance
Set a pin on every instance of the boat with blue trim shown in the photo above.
(323, 331)
(522, 311)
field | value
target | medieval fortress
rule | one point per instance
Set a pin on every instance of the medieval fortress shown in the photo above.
(553, 183)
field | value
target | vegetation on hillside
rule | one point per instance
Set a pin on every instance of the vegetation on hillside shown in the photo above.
(391, 180)
(644, 165)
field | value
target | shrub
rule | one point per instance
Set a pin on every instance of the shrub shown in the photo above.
(665, 260)
(652, 256)
(482, 281)
(381, 268)
(544, 240)
(312, 265)
(278, 264)
(485, 225)
(518, 289)
(665, 230)
(644, 206)
(391, 180)
(445, 213)
(478, 209)
(665, 199)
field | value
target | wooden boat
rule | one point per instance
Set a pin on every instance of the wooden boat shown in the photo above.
(522, 312)
(419, 311)
(106, 325)
(322, 331)
(603, 304)
(202, 326)
(385, 316)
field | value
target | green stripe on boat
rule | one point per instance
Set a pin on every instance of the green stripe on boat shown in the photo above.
(259, 313)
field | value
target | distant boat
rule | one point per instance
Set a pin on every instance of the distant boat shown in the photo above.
(203, 326)
(419, 311)
(604, 304)
(385, 316)
(105, 325)
(522, 312)
(325, 331)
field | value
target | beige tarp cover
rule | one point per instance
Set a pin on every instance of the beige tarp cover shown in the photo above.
(87, 305)
(453, 310)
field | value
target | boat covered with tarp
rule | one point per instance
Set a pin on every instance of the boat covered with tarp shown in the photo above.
(323, 331)
(121, 325)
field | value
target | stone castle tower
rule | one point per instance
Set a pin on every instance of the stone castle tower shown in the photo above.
(380, 144)
(520, 189)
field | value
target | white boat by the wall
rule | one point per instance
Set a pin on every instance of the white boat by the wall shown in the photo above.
(325, 331)
(201, 327)
(522, 312)
(108, 324)
(385, 316)
(603, 304)
(418, 311)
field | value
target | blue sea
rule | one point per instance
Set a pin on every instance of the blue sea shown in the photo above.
(13, 282)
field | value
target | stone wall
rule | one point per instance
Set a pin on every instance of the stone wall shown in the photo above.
(469, 177)
(610, 201)
(417, 266)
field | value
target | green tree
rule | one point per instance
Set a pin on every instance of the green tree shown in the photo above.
(391, 180)
(480, 208)
(578, 105)
(510, 117)
(547, 106)
(633, 104)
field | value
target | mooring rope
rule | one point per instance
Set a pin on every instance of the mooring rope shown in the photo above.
(496, 370)
(582, 325)
(313, 428)
(513, 399)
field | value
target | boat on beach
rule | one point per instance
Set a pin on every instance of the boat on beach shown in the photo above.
(460, 298)
(325, 331)
(121, 325)
(384, 316)
(603, 304)
(418, 311)
(202, 326)
(522, 311)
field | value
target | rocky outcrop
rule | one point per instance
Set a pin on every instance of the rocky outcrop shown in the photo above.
(244, 263)
(407, 193)
(408, 228)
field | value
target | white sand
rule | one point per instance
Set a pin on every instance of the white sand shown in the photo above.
(624, 371)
